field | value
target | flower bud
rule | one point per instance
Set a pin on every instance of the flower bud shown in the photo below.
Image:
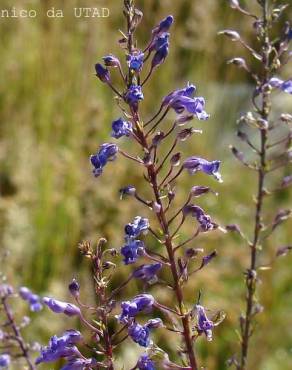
(111, 61)
(158, 138)
(239, 62)
(74, 288)
(175, 159)
(233, 35)
(234, 4)
(154, 323)
(102, 73)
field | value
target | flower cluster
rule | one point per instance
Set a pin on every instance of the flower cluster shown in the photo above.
(166, 255)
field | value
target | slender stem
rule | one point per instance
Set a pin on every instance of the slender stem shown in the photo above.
(18, 335)
(251, 275)
(152, 173)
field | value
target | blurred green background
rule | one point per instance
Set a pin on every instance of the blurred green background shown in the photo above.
(54, 114)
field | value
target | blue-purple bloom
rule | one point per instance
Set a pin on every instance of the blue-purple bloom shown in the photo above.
(203, 323)
(145, 363)
(142, 302)
(158, 41)
(102, 73)
(147, 273)
(160, 55)
(111, 61)
(107, 152)
(138, 226)
(195, 164)
(121, 128)
(77, 363)
(163, 26)
(133, 95)
(203, 219)
(132, 250)
(135, 61)
(127, 190)
(140, 334)
(285, 86)
(32, 299)
(60, 347)
(56, 306)
(4, 360)
(182, 100)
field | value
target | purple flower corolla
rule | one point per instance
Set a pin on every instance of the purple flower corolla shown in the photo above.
(102, 73)
(285, 86)
(121, 128)
(145, 363)
(203, 219)
(192, 105)
(4, 360)
(133, 95)
(163, 26)
(78, 363)
(158, 41)
(140, 334)
(147, 273)
(188, 91)
(107, 152)
(132, 250)
(195, 164)
(56, 306)
(33, 299)
(127, 190)
(182, 100)
(60, 347)
(135, 61)
(160, 55)
(142, 302)
(204, 324)
(111, 61)
(140, 225)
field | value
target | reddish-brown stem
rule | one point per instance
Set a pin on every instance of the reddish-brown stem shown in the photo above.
(17, 334)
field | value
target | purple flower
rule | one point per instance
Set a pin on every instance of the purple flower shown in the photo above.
(163, 26)
(138, 226)
(33, 299)
(204, 220)
(121, 128)
(188, 91)
(78, 363)
(192, 105)
(182, 100)
(133, 96)
(107, 152)
(60, 347)
(142, 302)
(195, 164)
(140, 334)
(135, 61)
(160, 55)
(56, 306)
(158, 41)
(102, 73)
(145, 363)
(74, 288)
(132, 250)
(111, 61)
(4, 360)
(154, 323)
(285, 86)
(127, 190)
(204, 324)
(147, 272)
